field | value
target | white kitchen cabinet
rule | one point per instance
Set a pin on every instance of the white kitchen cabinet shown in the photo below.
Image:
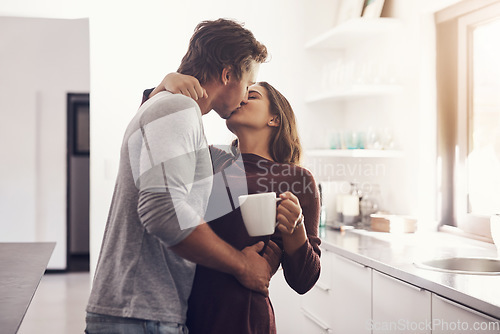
(317, 303)
(341, 300)
(352, 298)
(399, 306)
(286, 305)
(351, 292)
(450, 317)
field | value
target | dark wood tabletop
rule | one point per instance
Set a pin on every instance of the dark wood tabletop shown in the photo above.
(22, 266)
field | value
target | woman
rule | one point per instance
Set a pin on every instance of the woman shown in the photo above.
(270, 152)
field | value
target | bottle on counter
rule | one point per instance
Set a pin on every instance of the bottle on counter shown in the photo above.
(350, 206)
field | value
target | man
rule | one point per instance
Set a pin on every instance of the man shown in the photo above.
(155, 232)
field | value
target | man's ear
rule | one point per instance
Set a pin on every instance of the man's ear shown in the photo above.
(274, 122)
(226, 75)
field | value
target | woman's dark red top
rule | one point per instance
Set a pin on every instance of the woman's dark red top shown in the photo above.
(219, 303)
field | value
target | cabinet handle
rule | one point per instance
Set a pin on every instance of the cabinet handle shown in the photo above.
(411, 286)
(352, 261)
(397, 280)
(322, 286)
(315, 319)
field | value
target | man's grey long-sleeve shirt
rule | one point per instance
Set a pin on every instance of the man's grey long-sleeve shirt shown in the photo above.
(161, 193)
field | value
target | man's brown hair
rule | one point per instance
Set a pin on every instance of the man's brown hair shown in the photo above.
(219, 44)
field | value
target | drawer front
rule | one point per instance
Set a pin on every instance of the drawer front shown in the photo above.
(318, 300)
(341, 300)
(313, 325)
(286, 304)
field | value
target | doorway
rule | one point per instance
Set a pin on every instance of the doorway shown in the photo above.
(78, 193)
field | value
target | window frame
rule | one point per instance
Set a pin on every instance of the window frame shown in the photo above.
(453, 129)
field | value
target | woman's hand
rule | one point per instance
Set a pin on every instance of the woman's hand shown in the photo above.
(291, 223)
(289, 213)
(178, 83)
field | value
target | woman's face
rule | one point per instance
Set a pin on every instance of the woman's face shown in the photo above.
(235, 92)
(255, 114)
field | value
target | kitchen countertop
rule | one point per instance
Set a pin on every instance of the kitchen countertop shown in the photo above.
(22, 266)
(395, 255)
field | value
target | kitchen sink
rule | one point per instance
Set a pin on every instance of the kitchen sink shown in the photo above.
(463, 265)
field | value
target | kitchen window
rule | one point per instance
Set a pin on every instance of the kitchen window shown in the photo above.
(468, 81)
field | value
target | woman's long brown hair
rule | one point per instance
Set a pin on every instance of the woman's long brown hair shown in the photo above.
(284, 145)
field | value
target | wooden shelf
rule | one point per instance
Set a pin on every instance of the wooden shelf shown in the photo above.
(352, 32)
(355, 92)
(358, 153)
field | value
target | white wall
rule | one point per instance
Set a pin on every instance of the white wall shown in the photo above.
(417, 107)
(41, 60)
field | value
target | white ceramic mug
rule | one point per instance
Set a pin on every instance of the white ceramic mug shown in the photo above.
(259, 213)
(495, 231)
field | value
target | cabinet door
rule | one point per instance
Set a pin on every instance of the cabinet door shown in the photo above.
(316, 304)
(341, 300)
(399, 306)
(450, 317)
(351, 294)
(286, 305)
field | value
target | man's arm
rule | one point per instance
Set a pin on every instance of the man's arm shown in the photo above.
(204, 247)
